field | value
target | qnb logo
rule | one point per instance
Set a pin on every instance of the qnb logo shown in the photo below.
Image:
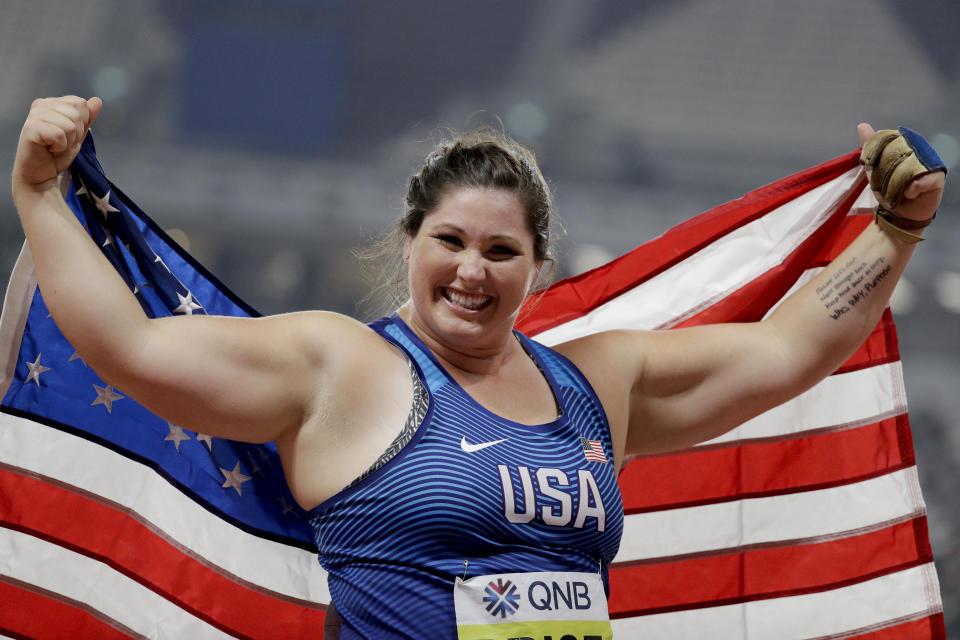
(502, 598)
(556, 595)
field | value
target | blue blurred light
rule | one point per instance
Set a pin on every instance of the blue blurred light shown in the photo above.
(948, 148)
(526, 120)
(110, 83)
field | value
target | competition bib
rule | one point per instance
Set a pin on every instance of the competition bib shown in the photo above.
(532, 606)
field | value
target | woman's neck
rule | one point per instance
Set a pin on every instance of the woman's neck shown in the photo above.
(481, 359)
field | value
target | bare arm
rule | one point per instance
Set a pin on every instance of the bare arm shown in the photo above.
(701, 382)
(248, 379)
(688, 385)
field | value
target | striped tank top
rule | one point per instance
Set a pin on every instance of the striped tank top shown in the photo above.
(471, 494)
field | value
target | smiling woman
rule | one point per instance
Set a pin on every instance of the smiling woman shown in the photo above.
(460, 478)
(471, 265)
(483, 158)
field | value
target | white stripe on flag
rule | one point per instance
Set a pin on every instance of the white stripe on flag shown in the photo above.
(809, 514)
(804, 278)
(77, 462)
(680, 290)
(13, 315)
(846, 399)
(895, 596)
(78, 577)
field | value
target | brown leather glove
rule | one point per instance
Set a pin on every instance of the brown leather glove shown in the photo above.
(897, 157)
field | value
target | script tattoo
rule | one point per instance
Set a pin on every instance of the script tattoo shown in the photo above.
(851, 284)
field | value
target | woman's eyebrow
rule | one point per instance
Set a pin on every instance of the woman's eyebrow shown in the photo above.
(497, 237)
(446, 226)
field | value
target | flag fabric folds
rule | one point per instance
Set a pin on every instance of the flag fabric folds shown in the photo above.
(806, 522)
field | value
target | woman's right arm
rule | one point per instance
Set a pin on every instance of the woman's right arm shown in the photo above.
(242, 378)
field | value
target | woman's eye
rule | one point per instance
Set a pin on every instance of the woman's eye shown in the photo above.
(451, 240)
(502, 251)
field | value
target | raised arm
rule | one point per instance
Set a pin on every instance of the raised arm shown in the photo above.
(247, 379)
(680, 387)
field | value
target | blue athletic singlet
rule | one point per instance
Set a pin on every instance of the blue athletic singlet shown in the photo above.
(471, 494)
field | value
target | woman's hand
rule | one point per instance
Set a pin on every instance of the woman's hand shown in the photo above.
(922, 195)
(50, 139)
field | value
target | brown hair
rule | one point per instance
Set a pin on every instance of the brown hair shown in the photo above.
(482, 158)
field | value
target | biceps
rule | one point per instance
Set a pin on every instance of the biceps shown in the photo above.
(240, 378)
(701, 382)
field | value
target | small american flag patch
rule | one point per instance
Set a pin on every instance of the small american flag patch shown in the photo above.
(593, 450)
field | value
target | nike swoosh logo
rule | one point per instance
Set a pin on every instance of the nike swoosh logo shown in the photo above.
(470, 448)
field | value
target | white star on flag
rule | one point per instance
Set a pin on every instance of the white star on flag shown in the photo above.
(76, 356)
(106, 396)
(103, 204)
(234, 478)
(176, 434)
(202, 437)
(35, 370)
(187, 304)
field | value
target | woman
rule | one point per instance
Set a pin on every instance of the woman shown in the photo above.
(443, 458)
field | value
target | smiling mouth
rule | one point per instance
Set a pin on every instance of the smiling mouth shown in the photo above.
(469, 301)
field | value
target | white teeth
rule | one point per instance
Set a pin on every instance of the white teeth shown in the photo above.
(466, 300)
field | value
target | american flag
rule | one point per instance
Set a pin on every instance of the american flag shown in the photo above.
(593, 450)
(806, 522)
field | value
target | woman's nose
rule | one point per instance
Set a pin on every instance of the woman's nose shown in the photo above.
(470, 267)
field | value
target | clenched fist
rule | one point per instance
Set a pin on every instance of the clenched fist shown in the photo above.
(920, 189)
(50, 139)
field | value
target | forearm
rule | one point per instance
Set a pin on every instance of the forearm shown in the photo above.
(87, 298)
(824, 322)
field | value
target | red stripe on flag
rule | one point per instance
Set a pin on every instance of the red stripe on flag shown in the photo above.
(31, 612)
(929, 628)
(104, 532)
(752, 301)
(758, 574)
(850, 228)
(818, 461)
(880, 347)
(576, 296)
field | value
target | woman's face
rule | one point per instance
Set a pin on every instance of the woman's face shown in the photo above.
(470, 268)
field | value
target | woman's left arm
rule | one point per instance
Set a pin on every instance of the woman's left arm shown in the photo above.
(680, 387)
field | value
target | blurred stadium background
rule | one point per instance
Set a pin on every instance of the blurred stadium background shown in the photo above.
(274, 138)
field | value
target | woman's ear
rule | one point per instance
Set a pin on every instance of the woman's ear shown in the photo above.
(407, 242)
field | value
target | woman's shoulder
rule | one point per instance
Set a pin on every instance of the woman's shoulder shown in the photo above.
(604, 348)
(611, 361)
(332, 337)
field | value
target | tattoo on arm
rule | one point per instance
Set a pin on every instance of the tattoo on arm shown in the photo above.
(851, 284)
